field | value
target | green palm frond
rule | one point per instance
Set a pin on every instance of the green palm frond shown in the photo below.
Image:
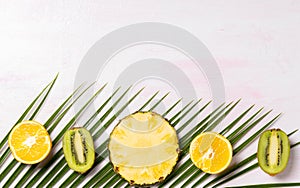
(102, 147)
(239, 165)
(246, 170)
(99, 178)
(55, 123)
(193, 171)
(26, 113)
(50, 129)
(269, 185)
(55, 171)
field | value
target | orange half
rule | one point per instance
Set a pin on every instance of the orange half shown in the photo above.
(29, 142)
(211, 152)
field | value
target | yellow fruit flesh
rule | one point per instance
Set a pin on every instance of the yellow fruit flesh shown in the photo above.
(143, 148)
(211, 152)
(29, 142)
(274, 145)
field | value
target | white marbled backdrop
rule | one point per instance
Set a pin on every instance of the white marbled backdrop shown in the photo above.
(255, 44)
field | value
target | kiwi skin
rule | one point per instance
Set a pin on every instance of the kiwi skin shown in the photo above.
(271, 143)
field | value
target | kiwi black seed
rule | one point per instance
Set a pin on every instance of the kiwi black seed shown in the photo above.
(79, 149)
(273, 151)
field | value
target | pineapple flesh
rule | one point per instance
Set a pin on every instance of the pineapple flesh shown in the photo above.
(143, 148)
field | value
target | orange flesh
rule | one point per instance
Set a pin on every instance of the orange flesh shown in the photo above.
(30, 142)
(211, 153)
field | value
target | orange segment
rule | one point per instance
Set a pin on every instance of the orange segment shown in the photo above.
(211, 152)
(29, 142)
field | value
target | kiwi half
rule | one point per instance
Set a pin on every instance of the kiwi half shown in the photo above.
(273, 151)
(78, 149)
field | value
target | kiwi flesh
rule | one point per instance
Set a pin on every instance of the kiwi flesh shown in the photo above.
(273, 151)
(78, 147)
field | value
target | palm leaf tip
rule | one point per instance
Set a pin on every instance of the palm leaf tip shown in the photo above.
(171, 108)
(148, 101)
(238, 166)
(59, 136)
(179, 112)
(296, 184)
(159, 101)
(54, 122)
(26, 112)
(290, 134)
(194, 172)
(7, 151)
(43, 99)
(115, 176)
(77, 179)
(40, 173)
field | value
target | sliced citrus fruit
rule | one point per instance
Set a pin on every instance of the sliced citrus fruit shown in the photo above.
(29, 142)
(211, 152)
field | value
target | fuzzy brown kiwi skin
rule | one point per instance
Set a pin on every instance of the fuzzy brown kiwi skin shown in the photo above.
(272, 174)
(115, 168)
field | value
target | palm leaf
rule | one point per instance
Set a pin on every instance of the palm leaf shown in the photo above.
(59, 136)
(105, 153)
(97, 178)
(238, 166)
(22, 166)
(116, 178)
(102, 147)
(107, 167)
(269, 185)
(248, 169)
(56, 117)
(49, 125)
(236, 150)
(204, 123)
(56, 171)
(196, 171)
(64, 167)
(26, 113)
(36, 110)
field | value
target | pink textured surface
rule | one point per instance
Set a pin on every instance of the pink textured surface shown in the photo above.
(255, 43)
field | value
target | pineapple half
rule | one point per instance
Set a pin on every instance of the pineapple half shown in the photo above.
(143, 148)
